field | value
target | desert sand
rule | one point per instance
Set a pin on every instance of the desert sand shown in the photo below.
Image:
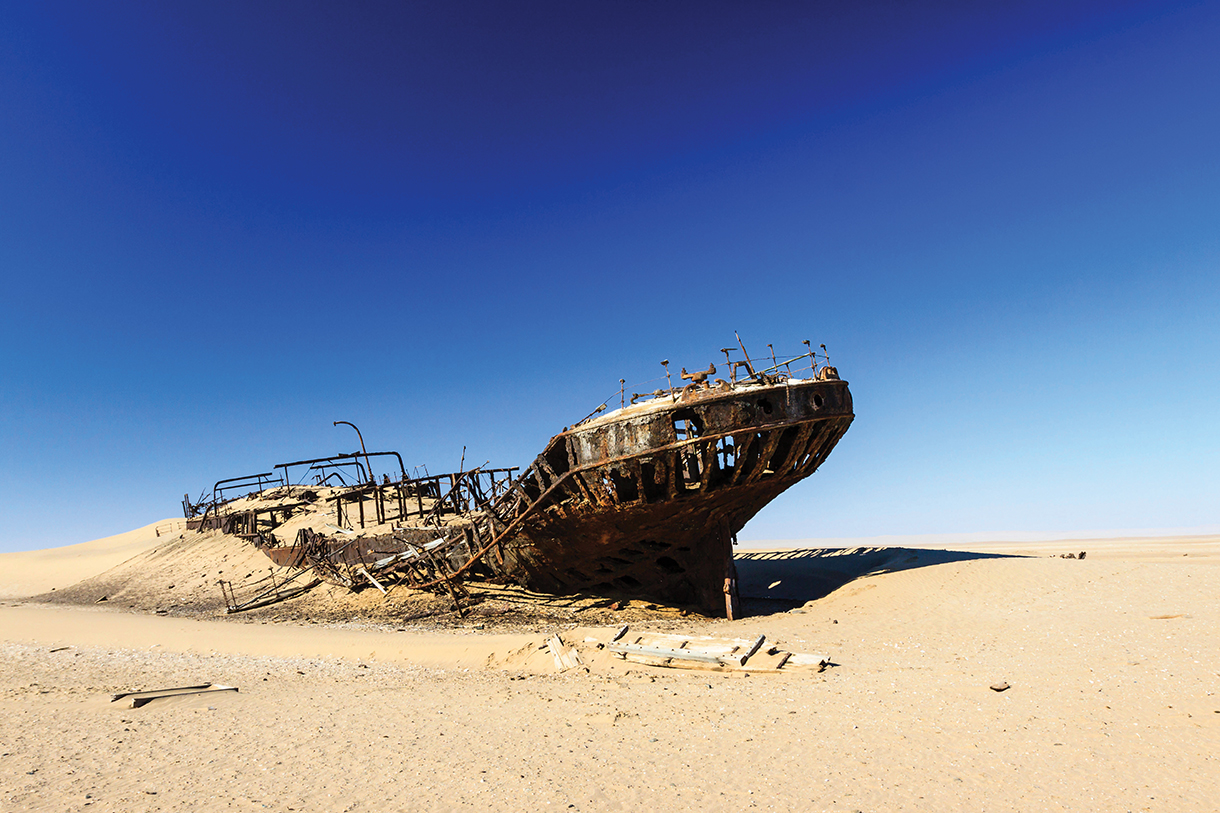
(1110, 661)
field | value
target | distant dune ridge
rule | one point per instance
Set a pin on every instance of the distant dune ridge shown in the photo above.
(1113, 698)
(27, 573)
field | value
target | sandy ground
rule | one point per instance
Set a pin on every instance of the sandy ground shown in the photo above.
(1111, 660)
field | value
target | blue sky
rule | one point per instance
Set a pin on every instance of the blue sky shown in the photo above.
(223, 227)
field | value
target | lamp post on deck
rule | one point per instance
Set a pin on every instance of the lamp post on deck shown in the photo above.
(366, 451)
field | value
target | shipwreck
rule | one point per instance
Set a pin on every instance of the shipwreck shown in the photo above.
(641, 501)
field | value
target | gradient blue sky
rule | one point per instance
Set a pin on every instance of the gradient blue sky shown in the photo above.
(224, 226)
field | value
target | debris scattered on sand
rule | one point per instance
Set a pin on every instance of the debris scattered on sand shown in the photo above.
(143, 698)
(707, 652)
(565, 658)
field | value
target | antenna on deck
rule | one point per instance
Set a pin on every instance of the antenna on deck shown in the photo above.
(749, 364)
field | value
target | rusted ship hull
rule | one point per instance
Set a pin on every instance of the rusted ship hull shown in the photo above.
(642, 502)
(646, 501)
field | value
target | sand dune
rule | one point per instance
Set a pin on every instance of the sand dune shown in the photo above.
(28, 573)
(1114, 698)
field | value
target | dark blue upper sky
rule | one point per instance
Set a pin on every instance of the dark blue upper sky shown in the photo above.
(224, 227)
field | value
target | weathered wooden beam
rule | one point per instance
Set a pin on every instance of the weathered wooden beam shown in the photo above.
(564, 658)
(363, 572)
(666, 652)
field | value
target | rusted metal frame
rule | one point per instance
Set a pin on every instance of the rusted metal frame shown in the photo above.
(470, 487)
(532, 505)
(361, 475)
(707, 456)
(764, 457)
(636, 472)
(660, 466)
(792, 360)
(538, 482)
(217, 490)
(474, 489)
(569, 448)
(741, 453)
(808, 448)
(672, 460)
(540, 462)
(510, 528)
(500, 490)
(582, 491)
(453, 589)
(336, 458)
(598, 492)
(229, 596)
(361, 471)
(327, 561)
(556, 478)
(829, 433)
(820, 430)
(798, 447)
(416, 574)
(515, 488)
(495, 488)
(262, 598)
(458, 500)
(492, 519)
(486, 488)
(678, 445)
(476, 536)
(820, 446)
(832, 438)
(437, 509)
(609, 488)
(487, 508)
(587, 495)
(339, 519)
(215, 504)
(453, 484)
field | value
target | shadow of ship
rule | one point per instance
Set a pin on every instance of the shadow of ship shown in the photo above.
(775, 581)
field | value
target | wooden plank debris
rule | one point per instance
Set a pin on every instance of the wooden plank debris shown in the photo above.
(363, 572)
(666, 653)
(706, 652)
(564, 658)
(758, 642)
(143, 698)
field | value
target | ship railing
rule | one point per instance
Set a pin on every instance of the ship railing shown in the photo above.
(779, 370)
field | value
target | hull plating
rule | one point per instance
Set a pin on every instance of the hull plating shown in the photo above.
(646, 501)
